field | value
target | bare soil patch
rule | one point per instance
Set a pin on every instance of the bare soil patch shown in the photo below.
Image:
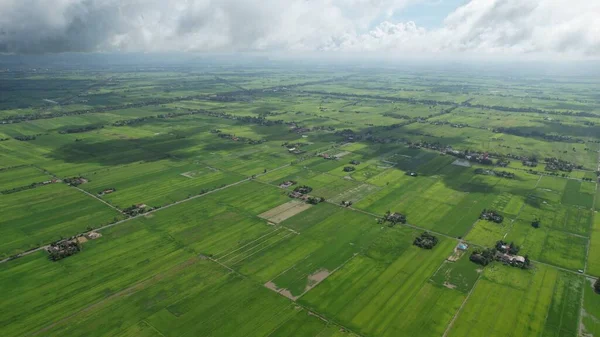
(316, 278)
(449, 285)
(341, 154)
(282, 291)
(461, 162)
(285, 211)
(191, 174)
(456, 254)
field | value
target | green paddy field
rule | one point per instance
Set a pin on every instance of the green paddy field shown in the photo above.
(216, 247)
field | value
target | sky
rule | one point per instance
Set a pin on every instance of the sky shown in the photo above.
(562, 29)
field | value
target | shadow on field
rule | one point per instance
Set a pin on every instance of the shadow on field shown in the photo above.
(576, 131)
(120, 151)
(125, 151)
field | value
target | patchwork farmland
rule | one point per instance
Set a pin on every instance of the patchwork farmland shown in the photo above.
(298, 201)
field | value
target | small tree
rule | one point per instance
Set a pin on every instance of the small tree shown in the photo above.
(597, 286)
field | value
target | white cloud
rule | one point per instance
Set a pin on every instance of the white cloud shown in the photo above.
(490, 27)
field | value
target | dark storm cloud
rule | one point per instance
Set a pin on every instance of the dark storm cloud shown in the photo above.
(494, 27)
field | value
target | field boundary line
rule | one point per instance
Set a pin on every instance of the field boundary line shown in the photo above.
(377, 216)
(153, 327)
(292, 267)
(451, 324)
(222, 265)
(260, 250)
(276, 237)
(233, 251)
(512, 223)
(81, 190)
(133, 288)
(308, 310)
(549, 308)
(332, 272)
(144, 214)
(97, 198)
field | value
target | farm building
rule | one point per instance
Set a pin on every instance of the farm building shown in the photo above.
(287, 184)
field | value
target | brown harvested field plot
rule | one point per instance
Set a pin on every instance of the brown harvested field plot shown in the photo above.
(313, 281)
(285, 211)
(355, 194)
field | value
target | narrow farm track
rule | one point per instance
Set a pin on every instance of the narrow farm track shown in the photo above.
(587, 254)
(512, 222)
(99, 199)
(123, 293)
(449, 327)
(149, 212)
(81, 190)
(309, 310)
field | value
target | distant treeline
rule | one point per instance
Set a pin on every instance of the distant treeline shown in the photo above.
(247, 119)
(467, 104)
(155, 101)
(81, 129)
(47, 115)
(538, 134)
(26, 138)
(23, 188)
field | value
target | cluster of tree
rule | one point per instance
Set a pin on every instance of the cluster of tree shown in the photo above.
(26, 138)
(134, 210)
(241, 139)
(525, 109)
(315, 200)
(349, 135)
(597, 286)
(133, 121)
(4, 139)
(107, 191)
(529, 162)
(393, 218)
(61, 249)
(378, 97)
(412, 174)
(426, 241)
(502, 174)
(396, 115)
(349, 168)
(293, 145)
(260, 120)
(27, 187)
(75, 181)
(453, 125)
(304, 189)
(81, 129)
(472, 156)
(503, 252)
(354, 162)
(54, 114)
(508, 248)
(483, 256)
(555, 164)
(491, 215)
(346, 203)
(536, 134)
